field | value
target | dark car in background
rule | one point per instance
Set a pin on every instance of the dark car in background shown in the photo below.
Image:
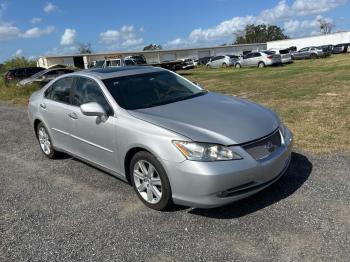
(18, 74)
(45, 76)
(341, 48)
(204, 60)
(327, 49)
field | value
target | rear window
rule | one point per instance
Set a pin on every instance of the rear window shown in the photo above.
(269, 52)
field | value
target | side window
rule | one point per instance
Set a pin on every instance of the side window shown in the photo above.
(87, 90)
(247, 56)
(256, 54)
(59, 91)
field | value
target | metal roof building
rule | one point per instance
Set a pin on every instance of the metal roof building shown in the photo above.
(153, 56)
(329, 39)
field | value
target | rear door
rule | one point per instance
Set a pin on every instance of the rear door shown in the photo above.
(93, 138)
(55, 109)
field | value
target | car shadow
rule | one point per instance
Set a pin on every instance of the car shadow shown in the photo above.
(296, 175)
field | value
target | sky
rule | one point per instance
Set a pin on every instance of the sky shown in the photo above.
(38, 28)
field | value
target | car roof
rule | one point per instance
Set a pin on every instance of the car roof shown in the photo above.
(111, 72)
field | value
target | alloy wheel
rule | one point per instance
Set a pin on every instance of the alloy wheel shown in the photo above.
(147, 181)
(44, 141)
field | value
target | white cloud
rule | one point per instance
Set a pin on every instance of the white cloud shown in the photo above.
(36, 20)
(18, 52)
(125, 37)
(8, 32)
(63, 50)
(68, 37)
(37, 32)
(49, 7)
(282, 12)
(304, 27)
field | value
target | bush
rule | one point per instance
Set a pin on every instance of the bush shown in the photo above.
(17, 62)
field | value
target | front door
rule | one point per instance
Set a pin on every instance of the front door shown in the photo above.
(55, 108)
(93, 137)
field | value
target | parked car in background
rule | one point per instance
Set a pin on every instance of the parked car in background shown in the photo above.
(259, 59)
(308, 53)
(286, 57)
(18, 74)
(138, 59)
(204, 60)
(341, 48)
(187, 63)
(143, 124)
(221, 61)
(45, 76)
(327, 49)
(113, 62)
(196, 62)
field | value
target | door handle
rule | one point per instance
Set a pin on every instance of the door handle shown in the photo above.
(73, 115)
(42, 105)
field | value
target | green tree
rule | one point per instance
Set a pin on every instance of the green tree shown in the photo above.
(152, 47)
(18, 61)
(84, 48)
(260, 34)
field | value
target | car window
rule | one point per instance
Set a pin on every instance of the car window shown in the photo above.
(250, 55)
(304, 49)
(256, 55)
(86, 90)
(59, 91)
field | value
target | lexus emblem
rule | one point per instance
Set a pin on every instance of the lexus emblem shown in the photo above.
(270, 147)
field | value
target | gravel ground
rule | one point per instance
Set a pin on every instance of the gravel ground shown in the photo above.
(65, 210)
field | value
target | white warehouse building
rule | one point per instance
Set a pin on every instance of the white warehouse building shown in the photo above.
(152, 57)
(329, 39)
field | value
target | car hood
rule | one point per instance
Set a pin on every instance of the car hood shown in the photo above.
(212, 118)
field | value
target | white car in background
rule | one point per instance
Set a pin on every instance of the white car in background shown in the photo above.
(286, 57)
(221, 61)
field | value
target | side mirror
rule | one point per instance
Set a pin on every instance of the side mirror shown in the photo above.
(93, 109)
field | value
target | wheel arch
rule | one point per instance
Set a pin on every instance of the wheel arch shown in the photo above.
(127, 159)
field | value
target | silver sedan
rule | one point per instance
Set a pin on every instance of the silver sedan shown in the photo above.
(173, 141)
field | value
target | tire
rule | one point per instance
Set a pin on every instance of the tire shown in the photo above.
(238, 65)
(224, 65)
(45, 142)
(152, 189)
(313, 56)
(261, 64)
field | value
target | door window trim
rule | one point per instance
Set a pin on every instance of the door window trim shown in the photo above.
(92, 79)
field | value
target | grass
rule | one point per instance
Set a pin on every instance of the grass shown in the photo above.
(312, 97)
(15, 95)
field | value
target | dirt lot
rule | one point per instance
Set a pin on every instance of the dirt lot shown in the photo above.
(65, 210)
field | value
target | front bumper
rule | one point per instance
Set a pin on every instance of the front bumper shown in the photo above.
(213, 184)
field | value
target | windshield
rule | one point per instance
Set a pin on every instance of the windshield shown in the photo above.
(149, 90)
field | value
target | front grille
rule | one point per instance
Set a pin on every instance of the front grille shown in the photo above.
(264, 147)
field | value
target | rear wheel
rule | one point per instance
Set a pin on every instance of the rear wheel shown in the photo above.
(313, 56)
(45, 141)
(261, 65)
(150, 181)
(238, 65)
(224, 65)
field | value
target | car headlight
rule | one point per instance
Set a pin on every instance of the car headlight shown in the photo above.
(205, 152)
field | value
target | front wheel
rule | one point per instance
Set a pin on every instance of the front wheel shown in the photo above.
(150, 181)
(238, 65)
(261, 65)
